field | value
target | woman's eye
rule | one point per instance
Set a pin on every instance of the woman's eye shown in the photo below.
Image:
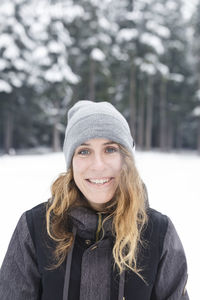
(111, 149)
(83, 152)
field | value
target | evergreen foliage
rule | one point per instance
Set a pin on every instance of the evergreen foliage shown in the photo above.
(143, 56)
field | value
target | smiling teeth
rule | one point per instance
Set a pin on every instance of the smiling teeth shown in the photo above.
(99, 180)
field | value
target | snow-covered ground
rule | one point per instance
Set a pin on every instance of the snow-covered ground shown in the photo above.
(172, 181)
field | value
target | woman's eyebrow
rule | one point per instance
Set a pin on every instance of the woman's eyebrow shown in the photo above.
(107, 143)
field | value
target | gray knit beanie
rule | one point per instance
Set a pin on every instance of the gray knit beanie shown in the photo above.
(88, 120)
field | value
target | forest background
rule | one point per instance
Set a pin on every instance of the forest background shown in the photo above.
(143, 56)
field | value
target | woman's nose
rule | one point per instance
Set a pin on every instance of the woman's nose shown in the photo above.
(98, 162)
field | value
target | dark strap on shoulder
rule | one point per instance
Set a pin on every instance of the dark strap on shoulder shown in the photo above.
(68, 267)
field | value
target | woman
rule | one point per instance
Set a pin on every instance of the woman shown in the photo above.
(96, 238)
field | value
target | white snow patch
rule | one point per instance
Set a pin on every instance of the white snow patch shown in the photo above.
(103, 22)
(3, 64)
(54, 74)
(69, 14)
(5, 40)
(16, 81)
(116, 52)
(7, 9)
(163, 69)
(70, 76)
(105, 38)
(40, 53)
(171, 5)
(148, 68)
(196, 112)
(126, 35)
(97, 54)
(176, 77)
(5, 87)
(160, 30)
(134, 16)
(21, 64)
(11, 52)
(197, 94)
(55, 47)
(153, 41)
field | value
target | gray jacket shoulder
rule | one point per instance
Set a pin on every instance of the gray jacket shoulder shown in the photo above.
(172, 270)
(20, 266)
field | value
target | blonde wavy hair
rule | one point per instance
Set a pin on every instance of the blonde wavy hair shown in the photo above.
(127, 208)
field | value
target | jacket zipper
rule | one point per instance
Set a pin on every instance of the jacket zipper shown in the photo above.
(99, 226)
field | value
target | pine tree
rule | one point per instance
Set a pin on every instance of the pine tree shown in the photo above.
(196, 63)
(14, 68)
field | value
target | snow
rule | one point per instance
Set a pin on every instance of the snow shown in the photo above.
(103, 22)
(3, 64)
(15, 81)
(21, 64)
(11, 52)
(163, 69)
(56, 74)
(116, 52)
(69, 75)
(152, 41)
(134, 16)
(196, 111)
(68, 13)
(5, 40)
(5, 87)
(40, 53)
(148, 68)
(197, 94)
(160, 30)
(7, 9)
(53, 74)
(173, 186)
(189, 8)
(176, 77)
(171, 5)
(97, 54)
(104, 38)
(55, 47)
(126, 35)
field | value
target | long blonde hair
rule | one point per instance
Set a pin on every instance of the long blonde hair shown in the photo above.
(127, 208)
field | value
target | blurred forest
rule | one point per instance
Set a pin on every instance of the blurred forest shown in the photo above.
(143, 56)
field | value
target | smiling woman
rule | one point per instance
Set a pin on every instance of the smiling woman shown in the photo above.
(96, 171)
(96, 238)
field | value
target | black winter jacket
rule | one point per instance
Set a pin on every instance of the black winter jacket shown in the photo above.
(25, 275)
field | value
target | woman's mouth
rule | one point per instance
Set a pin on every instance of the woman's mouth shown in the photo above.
(100, 181)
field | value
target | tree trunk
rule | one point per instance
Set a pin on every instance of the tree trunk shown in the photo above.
(163, 116)
(56, 138)
(8, 130)
(141, 117)
(170, 135)
(198, 136)
(132, 100)
(178, 133)
(56, 131)
(92, 80)
(149, 121)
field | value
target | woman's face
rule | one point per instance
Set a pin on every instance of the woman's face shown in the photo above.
(96, 170)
